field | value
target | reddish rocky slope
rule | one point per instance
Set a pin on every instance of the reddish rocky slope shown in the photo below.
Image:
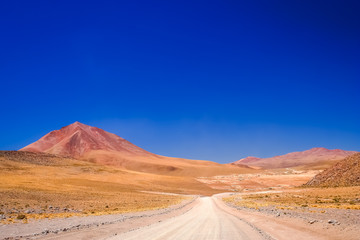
(77, 139)
(342, 174)
(96, 145)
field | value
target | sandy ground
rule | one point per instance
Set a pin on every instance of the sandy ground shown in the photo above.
(267, 180)
(91, 227)
(286, 224)
(199, 218)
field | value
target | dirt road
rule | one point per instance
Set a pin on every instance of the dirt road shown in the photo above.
(205, 221)
(201, 218)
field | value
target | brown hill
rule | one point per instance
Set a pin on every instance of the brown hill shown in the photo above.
(30, 182)
(315, 158)
(92, 144)
(342, 174)
(20, 169)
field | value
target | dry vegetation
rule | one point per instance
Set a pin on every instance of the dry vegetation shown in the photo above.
(46, 186)
(341, 198)
(24, 205)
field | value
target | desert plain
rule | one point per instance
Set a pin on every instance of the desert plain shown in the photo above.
(81, 182)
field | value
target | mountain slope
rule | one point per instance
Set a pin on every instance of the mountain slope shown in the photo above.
(77, 139)
(95, 145)
(313, 158)
(344, 173)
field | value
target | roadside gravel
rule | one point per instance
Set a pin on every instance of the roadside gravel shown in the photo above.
(331, 223)
(57, 227)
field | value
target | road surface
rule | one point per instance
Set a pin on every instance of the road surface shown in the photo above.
(205, 221)
(203, 218)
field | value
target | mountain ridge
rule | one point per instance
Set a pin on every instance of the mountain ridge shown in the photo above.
(311, 157)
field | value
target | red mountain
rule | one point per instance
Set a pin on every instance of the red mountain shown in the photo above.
(77, 139)
(313, 158)
(96, 145)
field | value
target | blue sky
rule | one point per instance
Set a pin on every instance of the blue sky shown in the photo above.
(215, 80)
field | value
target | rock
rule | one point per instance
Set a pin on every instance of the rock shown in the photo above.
(46, 231)
(312, 221)
(28, 211)
(278, 214)
(332, 221)
(14, 210)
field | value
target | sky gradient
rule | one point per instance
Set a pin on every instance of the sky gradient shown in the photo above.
(214, 80)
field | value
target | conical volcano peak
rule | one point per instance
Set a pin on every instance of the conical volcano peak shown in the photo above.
(77, 139)
(77, 125)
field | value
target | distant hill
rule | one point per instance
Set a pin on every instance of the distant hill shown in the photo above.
(315, 158)
(344, 173)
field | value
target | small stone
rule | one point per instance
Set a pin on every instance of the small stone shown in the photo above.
(312, 221)
(332, 221)
(278, 214)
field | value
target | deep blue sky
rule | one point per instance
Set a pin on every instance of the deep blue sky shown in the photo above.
(216, 80)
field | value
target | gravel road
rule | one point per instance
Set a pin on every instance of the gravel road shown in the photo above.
(198, 218)
(205, 221)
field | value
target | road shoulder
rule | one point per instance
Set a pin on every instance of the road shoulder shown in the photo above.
(92, 227)
(283, 227)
